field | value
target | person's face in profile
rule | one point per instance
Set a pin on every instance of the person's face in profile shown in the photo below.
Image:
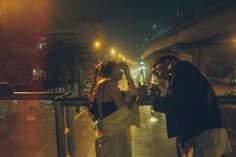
(117, 73)
(162, 71)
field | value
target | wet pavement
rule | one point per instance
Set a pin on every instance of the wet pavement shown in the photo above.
(151, 139)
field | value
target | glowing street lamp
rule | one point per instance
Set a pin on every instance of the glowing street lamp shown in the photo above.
(97, 44)
(113, 51)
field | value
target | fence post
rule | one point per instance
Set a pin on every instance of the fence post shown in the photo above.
(71, 135)
(60, 129)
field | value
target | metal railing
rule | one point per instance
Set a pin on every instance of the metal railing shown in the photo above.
(64, 119)
(64, 132)
(65, 115)
(64, 124)
(32, 109)
(33, 96)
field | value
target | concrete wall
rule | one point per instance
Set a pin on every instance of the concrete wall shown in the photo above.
(223, 52)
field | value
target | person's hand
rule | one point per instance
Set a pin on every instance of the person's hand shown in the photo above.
(124, 66)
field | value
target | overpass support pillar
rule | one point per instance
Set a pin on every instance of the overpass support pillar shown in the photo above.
(199, 59)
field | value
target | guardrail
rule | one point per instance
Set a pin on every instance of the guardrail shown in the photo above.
(63, 131)
(64, 126)
(33, 96)
(27, 96)
(65, 119)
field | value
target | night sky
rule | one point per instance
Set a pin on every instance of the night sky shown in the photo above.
(128, 22)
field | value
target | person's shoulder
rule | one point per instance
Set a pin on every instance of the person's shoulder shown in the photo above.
(185, 66)
(183, 63)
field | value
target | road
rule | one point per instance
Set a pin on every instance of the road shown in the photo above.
(220, 88)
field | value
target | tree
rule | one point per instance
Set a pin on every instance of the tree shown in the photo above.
(60, 61)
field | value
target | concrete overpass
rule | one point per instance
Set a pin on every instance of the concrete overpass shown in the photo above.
(207, 36)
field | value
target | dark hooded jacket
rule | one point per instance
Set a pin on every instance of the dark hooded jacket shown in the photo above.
(190, 103)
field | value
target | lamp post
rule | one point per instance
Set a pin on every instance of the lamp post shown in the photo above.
(97, 44)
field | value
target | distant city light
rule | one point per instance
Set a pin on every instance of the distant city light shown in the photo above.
(113, 51)
(97, 44)
(153, 119)
(34, 71)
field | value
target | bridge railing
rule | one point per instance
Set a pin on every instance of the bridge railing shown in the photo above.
(31, 109)
(27, 124)
(64, 139)
(66, 118)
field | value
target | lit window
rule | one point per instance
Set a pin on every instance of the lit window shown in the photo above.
(34, 72)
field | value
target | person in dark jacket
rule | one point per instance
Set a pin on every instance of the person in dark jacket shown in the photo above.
(192, 113)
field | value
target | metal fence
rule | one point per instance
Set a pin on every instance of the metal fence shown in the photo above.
(63, 110)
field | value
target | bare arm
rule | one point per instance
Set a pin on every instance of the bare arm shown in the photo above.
(116, 94)
(129, 78)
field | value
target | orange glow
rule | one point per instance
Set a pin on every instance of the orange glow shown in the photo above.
(113, 51)
(27, 14)
(97, 44)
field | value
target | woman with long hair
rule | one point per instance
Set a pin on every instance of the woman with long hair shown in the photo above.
(114, 115)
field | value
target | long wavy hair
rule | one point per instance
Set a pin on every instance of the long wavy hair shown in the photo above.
(103, 69)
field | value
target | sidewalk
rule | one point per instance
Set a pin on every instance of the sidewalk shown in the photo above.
(151, 139)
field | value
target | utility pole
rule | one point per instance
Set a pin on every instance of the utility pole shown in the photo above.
(76, 74)
(177, 8)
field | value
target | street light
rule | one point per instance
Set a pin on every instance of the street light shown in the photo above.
(113, 51)
(97, 44)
